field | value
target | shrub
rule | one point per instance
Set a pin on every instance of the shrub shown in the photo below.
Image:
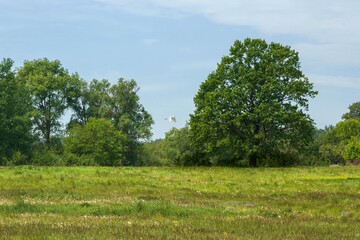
(95, 143)
(352, 149)
(178, 147)
(47, 158)
(153, 154)
(18, 158)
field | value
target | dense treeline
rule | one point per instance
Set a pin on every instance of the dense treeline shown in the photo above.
(16, 137)
(251, 111)
(334, 145)
(108, 125)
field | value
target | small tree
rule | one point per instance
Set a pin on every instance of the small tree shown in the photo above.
(120, 104)
(178, 147)
(95, 143)
(153, 154)
(354, 112)
(340, 143)
(253, 106)
(130, 117)
(352, 149)
(317, 153)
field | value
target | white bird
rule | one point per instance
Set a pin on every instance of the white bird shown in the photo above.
(171, 118)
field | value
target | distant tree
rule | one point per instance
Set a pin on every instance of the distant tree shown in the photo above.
(53, 90)
(130, 117)
(153, 154)
(354, 112)
(311, 155)
(340, 142)
(345, 130)
(332, 153)
(95, 143)
(178, 148)
(80, 106)
(128, 114)
(352, 149)
(253, 106)
(15, 114)
(120, 104)
(94, 101)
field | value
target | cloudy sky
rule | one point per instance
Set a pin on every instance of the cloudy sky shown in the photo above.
(170, 46)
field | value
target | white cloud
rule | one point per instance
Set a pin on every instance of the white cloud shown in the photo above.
(322, 20)
(329, 29)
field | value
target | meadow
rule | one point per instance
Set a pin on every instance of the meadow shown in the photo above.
(179, 203)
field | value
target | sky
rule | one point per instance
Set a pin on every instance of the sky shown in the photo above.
(170, 46)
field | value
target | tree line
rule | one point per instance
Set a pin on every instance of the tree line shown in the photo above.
(250, 111)
(107, 126)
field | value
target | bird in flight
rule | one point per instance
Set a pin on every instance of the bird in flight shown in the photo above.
(171, 118)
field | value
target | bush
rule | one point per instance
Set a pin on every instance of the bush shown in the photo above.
(153, 154)
(339, 142)
(352, 149)
(95, 143)
(178, 147)
(332, 153)
(18, 158)
(47, 158)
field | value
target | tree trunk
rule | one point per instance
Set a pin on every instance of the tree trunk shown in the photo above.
(47, 134)
(253, 158)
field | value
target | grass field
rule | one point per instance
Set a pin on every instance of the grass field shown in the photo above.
(179, 203)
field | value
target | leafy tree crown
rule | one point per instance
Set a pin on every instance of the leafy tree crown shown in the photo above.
(253, 106)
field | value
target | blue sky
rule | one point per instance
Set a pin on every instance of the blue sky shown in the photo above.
(169, 47)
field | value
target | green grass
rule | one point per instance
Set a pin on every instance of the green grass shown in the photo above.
(179, 203)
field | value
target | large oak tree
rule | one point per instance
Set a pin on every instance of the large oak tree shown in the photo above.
(253, 106)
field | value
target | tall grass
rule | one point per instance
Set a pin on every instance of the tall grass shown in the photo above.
(179, 203)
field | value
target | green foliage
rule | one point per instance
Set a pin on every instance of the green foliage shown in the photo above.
(94, 101)
(47, 157)
(37, 96)
(153, 154)
(15, 113)
(339, 142)
(332, 153)
(252, 106)
(18, 158)
(354, 112)
(130, 117)
(347, 129)
(53, 90)
(95, 143)
(178, 147)
(316, 152)
(119, 103)
(352, 149)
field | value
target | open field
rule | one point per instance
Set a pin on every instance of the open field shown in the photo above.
(179, 203)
